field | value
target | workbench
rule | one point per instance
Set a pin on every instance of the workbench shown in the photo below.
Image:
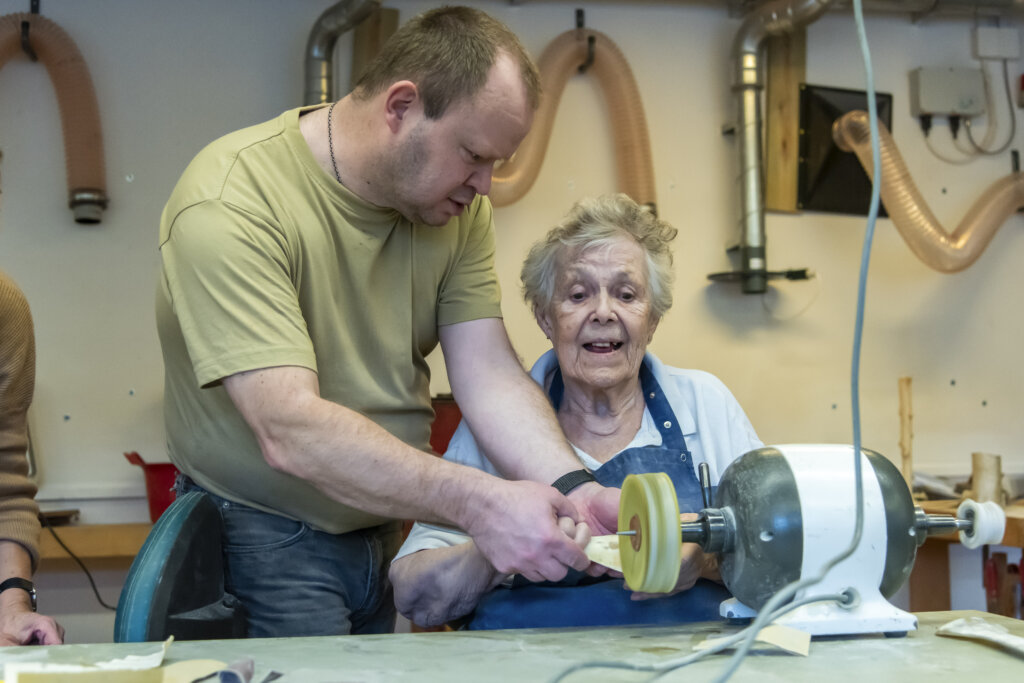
(537, 655)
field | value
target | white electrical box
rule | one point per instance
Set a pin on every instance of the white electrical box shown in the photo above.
(947, 91)
(996, 42)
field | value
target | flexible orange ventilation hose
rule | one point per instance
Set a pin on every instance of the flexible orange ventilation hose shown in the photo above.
(79, 111)
(559, 61)
(946, 253)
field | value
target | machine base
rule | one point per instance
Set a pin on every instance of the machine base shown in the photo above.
(829, 619)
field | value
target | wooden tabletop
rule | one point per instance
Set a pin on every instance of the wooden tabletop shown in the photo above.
(532, 655)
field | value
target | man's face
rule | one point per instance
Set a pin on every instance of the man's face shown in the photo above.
(442, 164)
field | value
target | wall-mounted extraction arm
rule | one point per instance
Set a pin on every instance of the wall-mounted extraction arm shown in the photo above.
(577, 51)
(35, 35)
(923, 233)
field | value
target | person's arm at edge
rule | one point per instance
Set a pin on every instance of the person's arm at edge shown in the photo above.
(511, 418)
(19, 524)
(19, 625)
(356, 462)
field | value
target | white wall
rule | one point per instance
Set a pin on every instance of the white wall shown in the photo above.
(171, 76)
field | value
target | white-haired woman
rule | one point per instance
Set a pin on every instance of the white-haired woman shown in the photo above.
(599, 284)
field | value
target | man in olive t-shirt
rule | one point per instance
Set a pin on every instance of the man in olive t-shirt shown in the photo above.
(309, 265)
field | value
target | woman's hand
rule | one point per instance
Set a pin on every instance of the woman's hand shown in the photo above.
(599, 506)
(436, 585)
(579, 533)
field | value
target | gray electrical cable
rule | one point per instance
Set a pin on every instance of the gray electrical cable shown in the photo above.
(745, 633)
(1013, 119)
(767, 612)
(776, 606)
(667, 667)
(962, 161)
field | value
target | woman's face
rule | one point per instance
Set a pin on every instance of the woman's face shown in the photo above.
(600, 320)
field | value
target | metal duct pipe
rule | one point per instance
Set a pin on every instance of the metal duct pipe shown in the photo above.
(335, 20)
(940, 7)
(920, 8)
(76, 98)
(915, 8)
(772, 19)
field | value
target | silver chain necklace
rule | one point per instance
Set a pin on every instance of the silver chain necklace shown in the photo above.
(330, 142)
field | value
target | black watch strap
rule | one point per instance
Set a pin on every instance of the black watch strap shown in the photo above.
(24, 584)
(570, 480)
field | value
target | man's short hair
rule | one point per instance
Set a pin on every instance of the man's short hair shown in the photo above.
(593, 223)
(448, 53)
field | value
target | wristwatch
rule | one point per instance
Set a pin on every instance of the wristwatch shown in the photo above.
(567, 482)
(24, 584)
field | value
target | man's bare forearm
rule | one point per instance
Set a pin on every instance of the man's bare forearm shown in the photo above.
(356, 462)
(524, 440)
(347, 456)
(511, 418)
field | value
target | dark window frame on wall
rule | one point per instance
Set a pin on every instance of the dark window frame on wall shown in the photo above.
(829, 179)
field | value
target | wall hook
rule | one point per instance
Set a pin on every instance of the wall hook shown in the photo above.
(25, 44)
(581, 23)
(590, 55)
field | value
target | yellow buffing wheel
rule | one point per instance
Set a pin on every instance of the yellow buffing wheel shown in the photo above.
(651, 557)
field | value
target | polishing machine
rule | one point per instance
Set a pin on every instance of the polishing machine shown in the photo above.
(783, 514)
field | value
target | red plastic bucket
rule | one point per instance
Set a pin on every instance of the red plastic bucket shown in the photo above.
(159, 483)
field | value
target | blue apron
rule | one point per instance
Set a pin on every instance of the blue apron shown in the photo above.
(582, 600)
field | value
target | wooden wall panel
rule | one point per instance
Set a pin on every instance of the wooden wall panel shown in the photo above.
(787, 60)
(368, 37)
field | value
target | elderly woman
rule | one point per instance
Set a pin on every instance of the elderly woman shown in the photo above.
(598, 284)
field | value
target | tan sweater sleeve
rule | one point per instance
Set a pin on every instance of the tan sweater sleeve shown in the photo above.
(19, 513)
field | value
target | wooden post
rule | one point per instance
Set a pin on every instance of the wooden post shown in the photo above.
(987, 477)
(906, 433)
(787, 60)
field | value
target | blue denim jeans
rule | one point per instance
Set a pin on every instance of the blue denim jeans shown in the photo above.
(297, 581)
